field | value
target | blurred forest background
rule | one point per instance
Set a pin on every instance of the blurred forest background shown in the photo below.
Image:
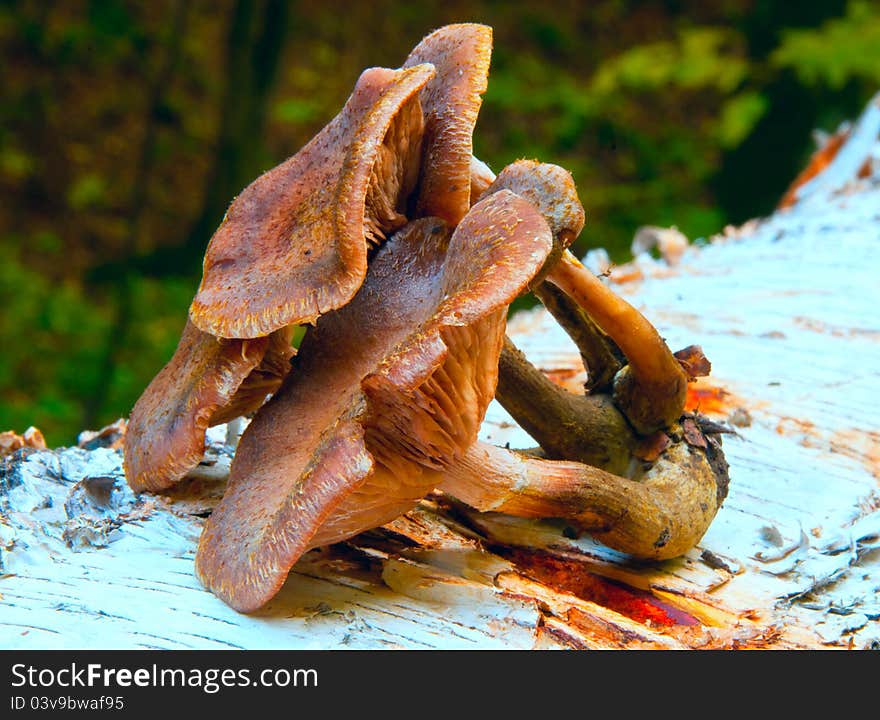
(126, 128)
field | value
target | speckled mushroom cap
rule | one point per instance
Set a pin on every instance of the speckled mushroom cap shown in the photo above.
(383, 393)
(294, 243)
(451, 102)
(206, 382)
(551, 190)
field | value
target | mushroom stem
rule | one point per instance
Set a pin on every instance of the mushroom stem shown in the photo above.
(651, 390)
(602, 358)
(587, 428)
(661, 515)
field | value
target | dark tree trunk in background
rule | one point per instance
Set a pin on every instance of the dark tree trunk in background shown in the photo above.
(254, 43)
(121, 290)
(256, 38)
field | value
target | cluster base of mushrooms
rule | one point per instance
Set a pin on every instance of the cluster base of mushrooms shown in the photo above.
(401, 253)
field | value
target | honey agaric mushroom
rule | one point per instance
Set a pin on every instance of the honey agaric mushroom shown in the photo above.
(651, 389)
(650, 495)
(207, 381)
(451, 102)
(296, 237)
(393, 380)
(386, 391)
(294, 243)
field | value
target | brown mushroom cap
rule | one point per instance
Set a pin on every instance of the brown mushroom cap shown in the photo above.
(207, 382)
(165, 438)
(293, 244)
(552, 191)
(451, 102)
(385, 389)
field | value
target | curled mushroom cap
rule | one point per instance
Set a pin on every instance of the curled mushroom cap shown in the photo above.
(206, 382)
(385, 391)
(551, 190)
(451, 102)
(294, 243)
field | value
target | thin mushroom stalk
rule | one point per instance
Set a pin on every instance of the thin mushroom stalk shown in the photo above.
(660, 514)
(652, 388)
(621, 467)
(601, 356)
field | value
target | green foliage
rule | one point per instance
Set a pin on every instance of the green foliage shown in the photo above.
(86, 191)
(840, 50)
(52, 350)
(294, 110)
(739, 114)
(642, 133)
(49, 356)
(159, 314)
(700, 57)
(14, 163)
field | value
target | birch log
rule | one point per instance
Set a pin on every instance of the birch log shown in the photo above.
(786, 310)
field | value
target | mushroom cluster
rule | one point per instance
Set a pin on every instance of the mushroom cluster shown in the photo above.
(401, 252)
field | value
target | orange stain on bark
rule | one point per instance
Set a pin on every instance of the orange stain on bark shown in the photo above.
(572, 577)
(709, 399)
(820, 160)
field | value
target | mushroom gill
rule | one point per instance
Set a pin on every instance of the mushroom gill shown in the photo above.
(263, 380)
(386, 391)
